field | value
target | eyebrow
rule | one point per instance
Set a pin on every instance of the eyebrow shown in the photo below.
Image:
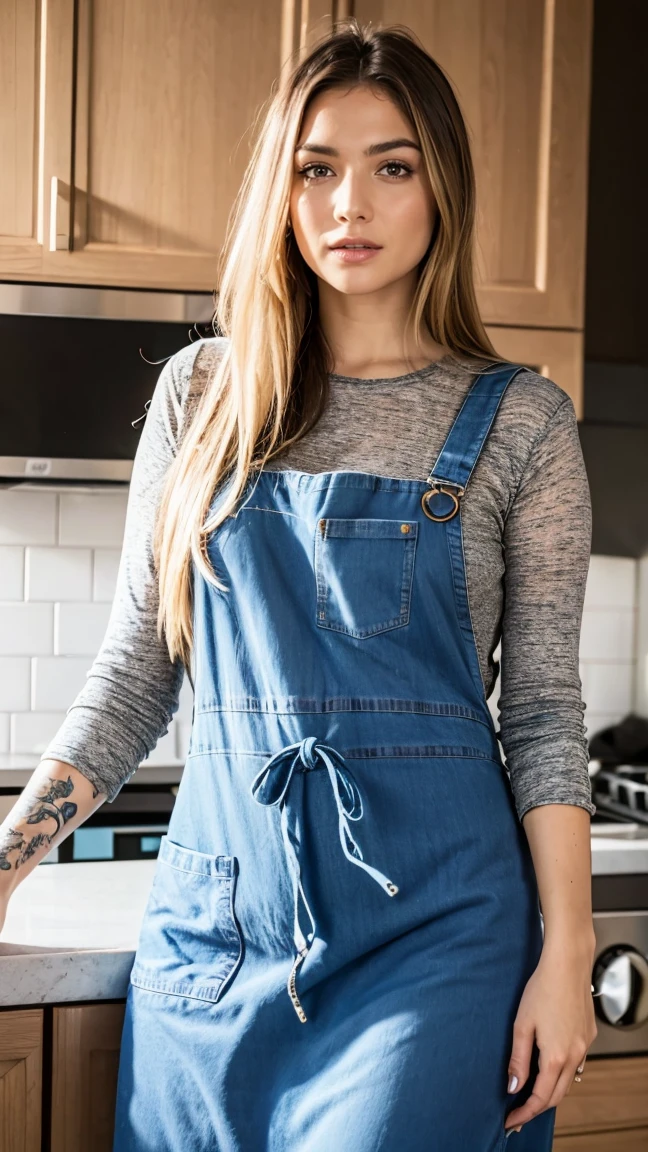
(372, 150)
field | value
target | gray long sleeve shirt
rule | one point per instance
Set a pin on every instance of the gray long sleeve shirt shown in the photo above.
(527, 534)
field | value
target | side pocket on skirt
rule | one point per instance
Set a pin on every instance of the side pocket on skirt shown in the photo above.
(190, 943)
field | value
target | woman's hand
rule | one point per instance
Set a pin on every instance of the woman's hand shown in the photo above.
(557, 1011)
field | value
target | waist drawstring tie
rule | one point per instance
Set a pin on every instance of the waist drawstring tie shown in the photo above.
(270, 787)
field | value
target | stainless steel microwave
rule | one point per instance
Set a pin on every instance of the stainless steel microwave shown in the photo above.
(78, 365)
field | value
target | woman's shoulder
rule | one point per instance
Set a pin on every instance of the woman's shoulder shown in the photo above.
(192, 365)
(183, 380)
(532, 405)
(534, 411)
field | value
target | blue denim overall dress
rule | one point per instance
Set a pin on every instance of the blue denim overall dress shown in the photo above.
(344, 912)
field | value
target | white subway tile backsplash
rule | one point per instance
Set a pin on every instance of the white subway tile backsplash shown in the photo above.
(610, 687)
(165, 749)
(27, 517)
(15, 679)
(106, 566)
(57, 680)
(608, 634)
(186, 699)
(183, 730)
(26, 629)
(12, 572)
(58, 573)
(95, 519)
(33, 731)
(79, 628)
(611, 582)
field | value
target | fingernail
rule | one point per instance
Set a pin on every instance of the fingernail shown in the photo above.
(513, 1083)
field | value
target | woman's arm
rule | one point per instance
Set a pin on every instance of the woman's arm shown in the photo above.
(547, 547)
(55, 801)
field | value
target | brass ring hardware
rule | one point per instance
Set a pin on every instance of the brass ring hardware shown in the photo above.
(439, 487)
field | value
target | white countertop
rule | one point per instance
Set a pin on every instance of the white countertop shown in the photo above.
(619, 848)
(71, 932)
(71, 929)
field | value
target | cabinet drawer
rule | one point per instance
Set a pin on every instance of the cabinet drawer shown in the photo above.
(632, 1140)
(613, 1094)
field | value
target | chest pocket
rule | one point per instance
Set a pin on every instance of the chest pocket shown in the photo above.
(364, 571)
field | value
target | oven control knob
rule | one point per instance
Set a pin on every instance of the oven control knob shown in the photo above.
(621, 986)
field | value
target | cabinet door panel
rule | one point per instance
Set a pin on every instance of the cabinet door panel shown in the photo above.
(21, 1058)
(20, 223)
(521, 72)
(85, 1062)
(611, 1097)
(165, 98)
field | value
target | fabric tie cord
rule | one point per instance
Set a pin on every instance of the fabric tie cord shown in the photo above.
(270, 787)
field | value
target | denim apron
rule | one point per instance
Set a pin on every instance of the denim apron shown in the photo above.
(344, 912)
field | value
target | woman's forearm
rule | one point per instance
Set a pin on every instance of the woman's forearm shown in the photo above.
(560, 843)
(56, 799)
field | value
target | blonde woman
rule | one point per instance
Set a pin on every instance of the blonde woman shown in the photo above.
(338, 507)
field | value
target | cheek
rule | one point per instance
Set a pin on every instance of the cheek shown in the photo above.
(309, 211)
(413, 216)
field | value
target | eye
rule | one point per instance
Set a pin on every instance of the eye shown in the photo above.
(406, 170)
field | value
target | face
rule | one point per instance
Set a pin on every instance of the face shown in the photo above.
(360, 176)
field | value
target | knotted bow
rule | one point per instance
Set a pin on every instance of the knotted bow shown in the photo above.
(270, 787)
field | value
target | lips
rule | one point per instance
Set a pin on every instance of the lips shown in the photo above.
(357, 242)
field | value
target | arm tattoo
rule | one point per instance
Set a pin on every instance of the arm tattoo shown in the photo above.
(36, 810)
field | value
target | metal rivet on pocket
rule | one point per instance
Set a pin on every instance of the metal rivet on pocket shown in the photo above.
(322, 526)
(405, 528)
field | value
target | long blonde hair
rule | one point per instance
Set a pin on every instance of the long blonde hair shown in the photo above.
(270, 385)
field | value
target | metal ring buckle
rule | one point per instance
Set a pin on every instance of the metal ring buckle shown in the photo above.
(441, 486)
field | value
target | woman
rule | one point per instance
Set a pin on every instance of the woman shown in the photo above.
(337, 508)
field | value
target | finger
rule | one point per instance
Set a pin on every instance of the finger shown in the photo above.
(519, 1064)
(543, 1089)
(565, 1081)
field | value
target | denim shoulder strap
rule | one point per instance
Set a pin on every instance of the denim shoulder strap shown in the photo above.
(471, 426)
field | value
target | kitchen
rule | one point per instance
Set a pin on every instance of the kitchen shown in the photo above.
(106, 245)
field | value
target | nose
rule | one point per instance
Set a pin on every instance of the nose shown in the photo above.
(271, 787)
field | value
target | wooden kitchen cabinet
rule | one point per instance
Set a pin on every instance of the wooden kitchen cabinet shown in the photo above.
(608, 1110)
(125, 130)
(521, 72)
(21, 1061)
(141, 114)
(85, 1061)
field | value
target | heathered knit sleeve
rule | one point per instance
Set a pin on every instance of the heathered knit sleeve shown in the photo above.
(547, 541)
(132, 689)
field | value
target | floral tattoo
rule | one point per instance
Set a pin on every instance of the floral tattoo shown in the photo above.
(44, 807)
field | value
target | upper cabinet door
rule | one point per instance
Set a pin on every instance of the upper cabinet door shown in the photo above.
(20, 242)
(143, 138)
(521, 72)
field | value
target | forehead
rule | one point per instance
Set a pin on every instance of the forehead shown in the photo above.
(351, 118)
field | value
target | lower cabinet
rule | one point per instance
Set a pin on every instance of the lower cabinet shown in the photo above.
(85, 1061)
(608, 1110)
(58, 1080)
(21, 1078)
(58, 1077)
